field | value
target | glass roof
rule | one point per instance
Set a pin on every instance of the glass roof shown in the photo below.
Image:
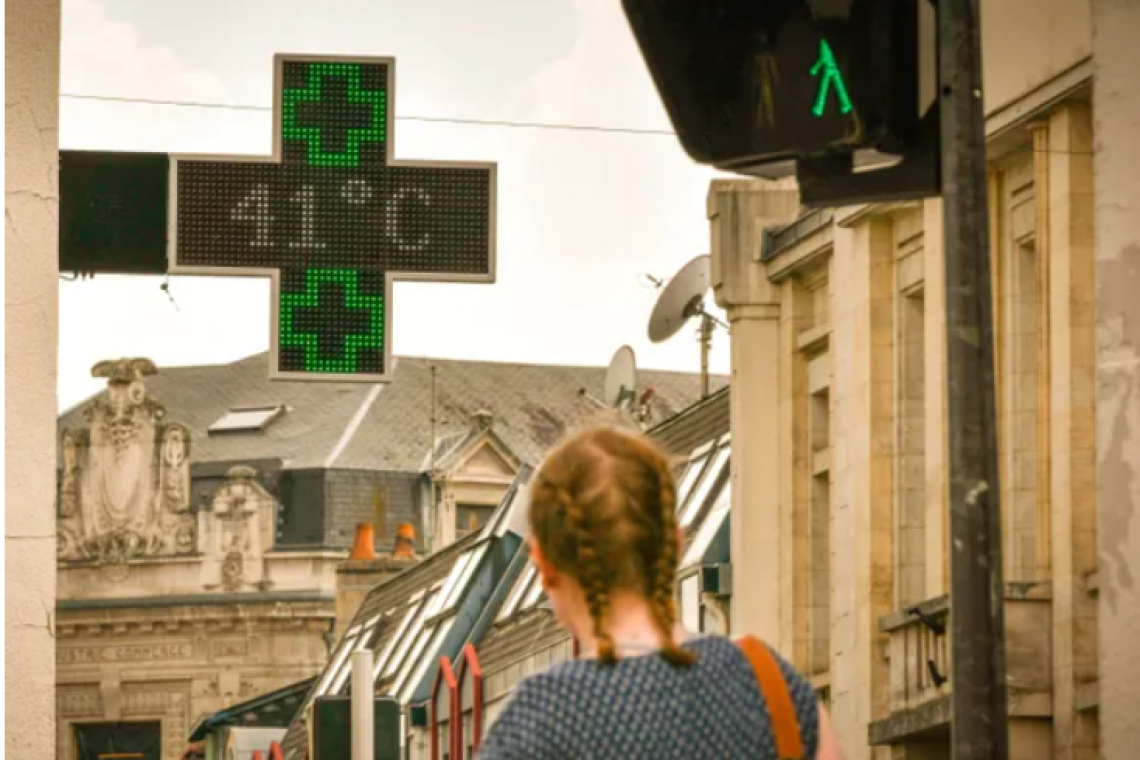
(699, 494)
(693, 471)
(709, 528)
(423, 622)
(518, 592)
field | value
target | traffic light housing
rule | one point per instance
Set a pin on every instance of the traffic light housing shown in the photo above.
(812, 87)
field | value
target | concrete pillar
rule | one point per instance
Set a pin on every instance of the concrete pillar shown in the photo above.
(1116, 118)
(738, 211)
(31, 155)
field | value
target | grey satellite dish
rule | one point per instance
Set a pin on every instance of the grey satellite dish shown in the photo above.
(621, 378)
(681, 300)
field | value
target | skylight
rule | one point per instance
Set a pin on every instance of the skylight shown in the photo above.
(246, 419)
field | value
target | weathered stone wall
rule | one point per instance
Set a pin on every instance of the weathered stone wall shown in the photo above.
(1117, 187)
(31, 156)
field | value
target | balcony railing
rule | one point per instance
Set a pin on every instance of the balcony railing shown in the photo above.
(919, 652)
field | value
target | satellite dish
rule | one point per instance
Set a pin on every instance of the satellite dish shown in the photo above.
(681, 300)
(621, 378)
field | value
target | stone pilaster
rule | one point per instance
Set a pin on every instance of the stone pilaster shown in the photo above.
(738, 211)
(1066, 142)
(863, 476)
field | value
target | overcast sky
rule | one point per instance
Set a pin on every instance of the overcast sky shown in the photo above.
(581, 214)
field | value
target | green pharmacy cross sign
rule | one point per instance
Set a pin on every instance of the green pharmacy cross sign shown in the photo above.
(332, 219)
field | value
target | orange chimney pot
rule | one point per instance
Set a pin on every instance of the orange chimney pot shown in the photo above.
(405, 541)
(363, 548)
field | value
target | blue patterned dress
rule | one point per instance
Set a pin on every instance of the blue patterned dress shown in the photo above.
(642, 708)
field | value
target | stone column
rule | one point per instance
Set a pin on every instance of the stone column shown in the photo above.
(863, 438)
(1117, 220)
(738, 211)
(31, 200)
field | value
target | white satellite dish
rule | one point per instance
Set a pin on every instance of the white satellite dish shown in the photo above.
(621, 378)
(681, 300)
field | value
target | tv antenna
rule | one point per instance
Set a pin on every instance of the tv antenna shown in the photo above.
(619, 389)
(681, 300)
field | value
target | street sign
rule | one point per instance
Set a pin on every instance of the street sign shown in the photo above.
(112, 212)
(332, 218)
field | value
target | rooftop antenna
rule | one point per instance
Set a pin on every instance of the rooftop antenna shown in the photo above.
(681, 300)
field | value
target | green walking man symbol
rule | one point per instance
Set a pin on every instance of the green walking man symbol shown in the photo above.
(831, 79)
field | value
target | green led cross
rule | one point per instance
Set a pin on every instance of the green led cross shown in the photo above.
(832, 79)
(331, 334)
(316, 92)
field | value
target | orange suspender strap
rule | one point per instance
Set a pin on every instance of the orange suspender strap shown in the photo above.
(774, 689)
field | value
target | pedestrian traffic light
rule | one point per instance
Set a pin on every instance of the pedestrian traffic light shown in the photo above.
(809, 87)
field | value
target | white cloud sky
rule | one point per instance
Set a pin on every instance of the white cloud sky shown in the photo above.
(580, 214)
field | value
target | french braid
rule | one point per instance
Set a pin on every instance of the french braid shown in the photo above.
(593, 584)
(662, 599)
(603, 512)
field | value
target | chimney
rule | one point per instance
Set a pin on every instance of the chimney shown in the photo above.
(482, 419)
(364, 570)
(362, 548)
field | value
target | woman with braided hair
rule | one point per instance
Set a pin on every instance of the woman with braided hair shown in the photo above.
(605, 541)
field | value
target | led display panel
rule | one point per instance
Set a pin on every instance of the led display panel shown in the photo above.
(333, 219)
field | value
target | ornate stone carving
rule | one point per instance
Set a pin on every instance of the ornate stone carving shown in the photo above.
(236, 529)
(81, 701)
(125, 478)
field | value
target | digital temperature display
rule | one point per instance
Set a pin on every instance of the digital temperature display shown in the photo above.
(333, 219)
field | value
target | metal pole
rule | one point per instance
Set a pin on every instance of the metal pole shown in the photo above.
(979, 729)
(432, 511)
(706, 346)
(363, 694)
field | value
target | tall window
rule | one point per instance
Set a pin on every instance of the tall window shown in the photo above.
(808, 399)
(910, 515)
(1022, 343)
(819, 529)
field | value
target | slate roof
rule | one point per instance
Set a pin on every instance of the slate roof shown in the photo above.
(533, 405)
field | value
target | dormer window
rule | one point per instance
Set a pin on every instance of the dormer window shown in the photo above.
(250, 419)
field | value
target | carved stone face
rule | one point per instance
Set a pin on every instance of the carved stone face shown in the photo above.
(184, 538)
(232, 569)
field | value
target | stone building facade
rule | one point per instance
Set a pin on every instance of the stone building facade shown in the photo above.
(852, 301)
(168, 610)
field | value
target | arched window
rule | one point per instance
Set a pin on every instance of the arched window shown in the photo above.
(470, 727)
(444, 712)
